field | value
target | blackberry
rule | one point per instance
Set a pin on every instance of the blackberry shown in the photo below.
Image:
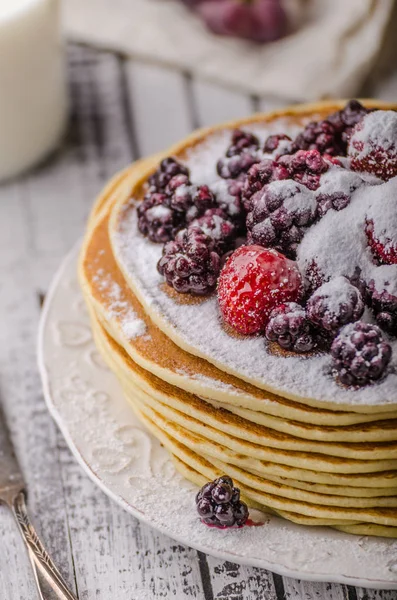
(218, 227)
(336, 189)
(305, 166)
(228, 199)
(384, 306)
(322, 136)
(236, 165)
(169, 167)
(156, 220)
(360, 354)
(259, 175)
(190, 200)
(335, 304)
(242, 141)
(218, 503)
(280, 215)
(346, 119)
(190, 263)
(291, 329)
(274, 142)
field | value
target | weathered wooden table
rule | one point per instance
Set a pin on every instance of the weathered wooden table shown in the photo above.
(120, 110)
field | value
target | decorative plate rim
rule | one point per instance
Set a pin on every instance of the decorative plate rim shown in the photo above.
(223, 554)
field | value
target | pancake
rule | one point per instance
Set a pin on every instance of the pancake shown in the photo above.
(202, 416)
(195, 326)
(325, 457)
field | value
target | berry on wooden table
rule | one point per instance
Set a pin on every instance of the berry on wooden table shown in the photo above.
(252, 283)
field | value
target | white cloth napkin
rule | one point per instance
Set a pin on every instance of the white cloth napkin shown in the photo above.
(329, 55)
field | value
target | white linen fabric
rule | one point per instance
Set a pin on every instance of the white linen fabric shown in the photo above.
(328, 55)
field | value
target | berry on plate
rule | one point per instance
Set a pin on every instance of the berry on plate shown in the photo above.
(252, 283)
(373, 144)
(218, 504)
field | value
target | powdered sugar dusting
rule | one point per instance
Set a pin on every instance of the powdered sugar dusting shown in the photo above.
(377, 130)
(199, 326)
(118, 308)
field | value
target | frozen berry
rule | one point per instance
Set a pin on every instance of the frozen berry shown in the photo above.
(322, 136)
(280, 215)
(242, 141)
(259, 175)
(275, 142)
(382, 243)
(190, 263)
(335, 304)
(384, 305)
(305, 166)
(336, 189)
(233, 167)
(192, 200)
(360, 354)
(217, 226)
(290, 328)
(346, 119)
(169, 167)
(373, 144)
(156, 220)
(218, 503)
(252, 283)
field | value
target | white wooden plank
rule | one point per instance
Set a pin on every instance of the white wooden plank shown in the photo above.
(214, 104)
(238, 582)
(16, 578)
(365, 594)
(305, 590)
(158, 105)
(32, 430)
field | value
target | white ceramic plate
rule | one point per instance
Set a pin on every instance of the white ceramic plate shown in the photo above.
(131, 467)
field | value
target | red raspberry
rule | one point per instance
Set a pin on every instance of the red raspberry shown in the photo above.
(384, 251)
(252, 283)
(373, 144)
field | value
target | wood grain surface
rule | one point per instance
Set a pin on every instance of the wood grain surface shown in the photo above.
(120, 110)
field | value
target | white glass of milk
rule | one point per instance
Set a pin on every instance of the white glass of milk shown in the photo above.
(33, 97)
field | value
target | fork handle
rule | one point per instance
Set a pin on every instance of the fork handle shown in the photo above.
(37, 551)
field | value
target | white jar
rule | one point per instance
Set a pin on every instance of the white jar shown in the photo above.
(33, 98)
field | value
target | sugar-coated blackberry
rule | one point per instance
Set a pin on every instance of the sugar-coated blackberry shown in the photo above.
(218, 503)
(335, 304)
(280, 215)
(190, 263)
(236, 165)
(360, 354)
(384, 306)
(156, 220)
(273, 142)
(305, 166)
(242, 141)
(217, 226)
(346, 119)
(259, 175)
(168, 168)
(290, 328)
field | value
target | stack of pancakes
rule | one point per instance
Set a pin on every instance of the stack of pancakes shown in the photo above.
(309, 460)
